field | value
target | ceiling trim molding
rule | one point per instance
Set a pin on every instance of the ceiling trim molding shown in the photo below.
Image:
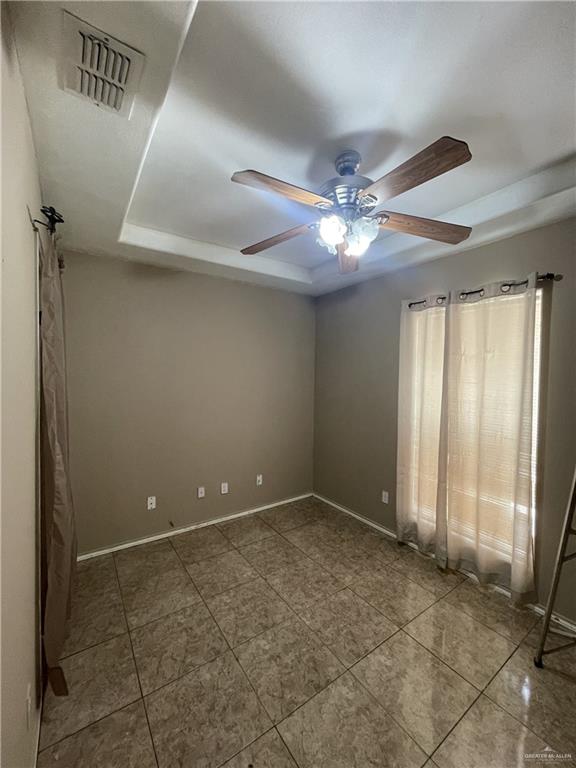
(540, 199)
(535, 201)
(159, 108)
(156, 240)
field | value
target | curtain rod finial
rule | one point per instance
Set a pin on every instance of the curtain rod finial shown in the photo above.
(53, 217)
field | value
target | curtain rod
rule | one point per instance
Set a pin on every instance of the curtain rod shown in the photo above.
(540, 278)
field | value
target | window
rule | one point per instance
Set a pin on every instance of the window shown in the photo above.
(468, 429)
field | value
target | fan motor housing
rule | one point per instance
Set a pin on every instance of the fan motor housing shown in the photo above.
(343, 189)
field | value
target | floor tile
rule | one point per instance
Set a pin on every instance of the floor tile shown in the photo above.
(272, 554)
(424, 696)
(287, 665)
(340, 558)
(397, 597)
(100, 680)
(206, 717)
(470, 648)
(97, 613)
(303, 582)
(487, 737)
(424, 571)
(200, 544)
(543, 699)
(222, 572)
(351, 567)
(245, 611)
(171, 646)
(343, 523)
(156, 595)
(120, 740)
(268, 751)
(493, 609)
(294, 514)
(348, 625)
(246, 530)
(371, 542)
(313, 539)
(145, 560)
(343, 727)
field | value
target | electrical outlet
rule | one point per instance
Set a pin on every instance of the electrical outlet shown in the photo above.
(223, 488)
(151, 502)
(201, 491)
(259, 479)
(384, 497)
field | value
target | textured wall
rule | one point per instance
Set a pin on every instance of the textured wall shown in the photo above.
(178, 380)
(357, 336)
(20, 189)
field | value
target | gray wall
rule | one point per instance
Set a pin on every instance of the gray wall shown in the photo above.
(357, 335)
(178, 380)
(20, 191)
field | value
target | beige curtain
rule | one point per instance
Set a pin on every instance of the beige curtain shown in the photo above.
(422, 326)
(58, 549)
(472, 438)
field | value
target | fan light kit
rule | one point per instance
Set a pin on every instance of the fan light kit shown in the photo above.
(346, 223)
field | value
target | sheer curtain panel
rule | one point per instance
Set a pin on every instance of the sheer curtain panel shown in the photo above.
(468, 407)
(422, 327)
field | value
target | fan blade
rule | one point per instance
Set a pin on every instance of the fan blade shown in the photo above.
(270, 184)
(430, 228)
(269, 242)
(346, 263)
(444, 155)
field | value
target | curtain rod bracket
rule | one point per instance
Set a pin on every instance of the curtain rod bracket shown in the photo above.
(550, 276)
(53, 218)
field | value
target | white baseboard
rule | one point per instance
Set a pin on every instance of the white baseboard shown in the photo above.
(192, 527)
(366, 520)
(539, 609)
(557, 618)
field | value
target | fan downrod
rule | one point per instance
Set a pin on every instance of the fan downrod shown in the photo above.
(348, 162)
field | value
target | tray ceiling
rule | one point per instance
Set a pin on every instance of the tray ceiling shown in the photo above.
(283, 87)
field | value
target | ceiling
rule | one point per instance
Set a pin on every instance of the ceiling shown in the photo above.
(283, 87)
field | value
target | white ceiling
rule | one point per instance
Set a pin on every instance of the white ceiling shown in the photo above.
(282, 87)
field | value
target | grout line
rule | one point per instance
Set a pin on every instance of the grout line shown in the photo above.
(292, 755)
(456, 723)
(231, 650)
(563, 621)
(95, 645)
(90, 724)
(349, 668)
(264, 733)
(443, 661)
(524, 725)
(192, 527)
(136, 665)
(237, 548)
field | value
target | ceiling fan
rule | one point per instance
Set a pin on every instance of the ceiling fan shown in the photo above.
(345, 218)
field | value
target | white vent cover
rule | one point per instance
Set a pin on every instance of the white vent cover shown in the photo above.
(97, 67)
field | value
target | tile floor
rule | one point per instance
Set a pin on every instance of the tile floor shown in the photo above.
(299, 638)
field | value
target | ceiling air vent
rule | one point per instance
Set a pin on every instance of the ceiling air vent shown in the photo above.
(99, 68)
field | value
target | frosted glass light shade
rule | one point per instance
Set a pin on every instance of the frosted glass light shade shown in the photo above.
(332, 230)
(362, 232)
